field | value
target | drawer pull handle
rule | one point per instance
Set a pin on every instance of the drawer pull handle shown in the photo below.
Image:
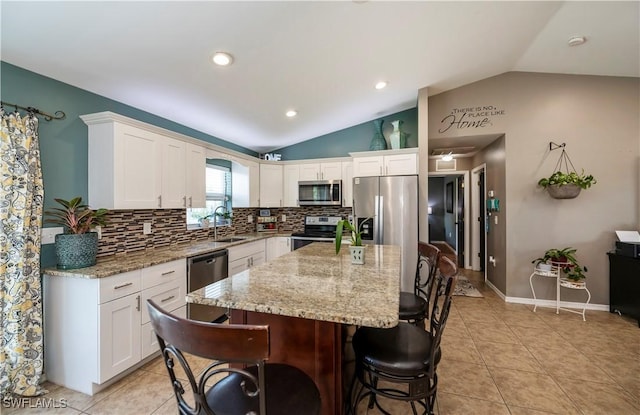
(117, 287)
(171, 297)
(167, 273)
(138, 303)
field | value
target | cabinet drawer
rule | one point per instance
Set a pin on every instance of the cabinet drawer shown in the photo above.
(162, 273)
(149, 339)
(167, 296)
(245, 250)
(119, 285)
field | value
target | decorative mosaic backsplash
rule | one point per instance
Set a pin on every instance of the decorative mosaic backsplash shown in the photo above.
(124, 232)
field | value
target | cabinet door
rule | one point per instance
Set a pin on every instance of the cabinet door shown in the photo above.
(291, 178)
(331, 171)
(310, 171)
(137, 168)
(254, 184)
(174, 174)
(400, 164)
(196, 175)
(119, 335)
(347, 184)
(238, 265)
(257, 259)
(277, 246)
(367, 166)
(271, 185)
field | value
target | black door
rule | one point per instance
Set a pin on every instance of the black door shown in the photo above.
(460, 221)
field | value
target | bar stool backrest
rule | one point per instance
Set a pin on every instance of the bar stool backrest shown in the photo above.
(428, 257)
(444, 286)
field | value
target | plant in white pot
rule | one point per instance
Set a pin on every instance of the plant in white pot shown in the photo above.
(77, 247)
(356, 247)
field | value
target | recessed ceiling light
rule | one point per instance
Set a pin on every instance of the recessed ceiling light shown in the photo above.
(577, 40)
(447, 157)
(291, 113)
(222, 58)
(381, 85)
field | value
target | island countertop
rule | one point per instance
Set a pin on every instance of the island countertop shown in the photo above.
(315, 283)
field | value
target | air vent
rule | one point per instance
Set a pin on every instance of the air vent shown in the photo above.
(442, 165)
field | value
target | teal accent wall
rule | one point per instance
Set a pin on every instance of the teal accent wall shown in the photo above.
(357, 138)
(63, 143)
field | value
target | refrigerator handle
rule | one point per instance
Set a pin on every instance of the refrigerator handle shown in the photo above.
(380, 217)
(376, 215)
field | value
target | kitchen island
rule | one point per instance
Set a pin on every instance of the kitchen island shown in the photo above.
(306, 297)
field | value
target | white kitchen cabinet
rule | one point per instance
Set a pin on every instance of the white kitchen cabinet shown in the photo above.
(392, 163)
(196, 176)
(277, 246)
(96, 329)
(245, 256)
(291, 177)
(321, 171)
(245, 182)
(174, 174)
(132, 167)
(347, 183)
(271, 185)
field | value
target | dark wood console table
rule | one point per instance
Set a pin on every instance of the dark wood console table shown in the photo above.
(624, 285)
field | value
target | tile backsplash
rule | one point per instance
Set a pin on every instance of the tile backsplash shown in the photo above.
(124, 232)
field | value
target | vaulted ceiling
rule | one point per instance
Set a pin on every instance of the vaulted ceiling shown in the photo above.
(319, 58)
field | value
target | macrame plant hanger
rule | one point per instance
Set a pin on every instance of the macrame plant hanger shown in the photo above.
(563, 159)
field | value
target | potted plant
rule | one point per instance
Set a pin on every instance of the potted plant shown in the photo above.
(77, 247)
(356, 247)
(557, 256)
(566, 185)
(575, 273)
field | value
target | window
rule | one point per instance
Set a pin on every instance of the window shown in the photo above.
(218, 188)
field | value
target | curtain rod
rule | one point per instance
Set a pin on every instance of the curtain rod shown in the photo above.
(59, 115)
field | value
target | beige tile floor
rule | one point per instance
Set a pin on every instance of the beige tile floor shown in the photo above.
(498, 359)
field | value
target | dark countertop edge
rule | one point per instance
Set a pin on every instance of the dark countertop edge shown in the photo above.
(155, 256)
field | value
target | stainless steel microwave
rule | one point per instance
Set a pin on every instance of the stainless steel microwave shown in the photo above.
(320, 193)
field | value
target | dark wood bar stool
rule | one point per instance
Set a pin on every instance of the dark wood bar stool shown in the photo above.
(400, 363)
(414, 306)
(261, 388)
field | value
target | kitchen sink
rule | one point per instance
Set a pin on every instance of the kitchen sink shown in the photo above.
(231, 239)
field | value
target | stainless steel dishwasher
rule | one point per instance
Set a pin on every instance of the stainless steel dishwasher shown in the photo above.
(203, 270)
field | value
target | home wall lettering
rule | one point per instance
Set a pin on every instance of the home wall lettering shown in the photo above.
(470, 118)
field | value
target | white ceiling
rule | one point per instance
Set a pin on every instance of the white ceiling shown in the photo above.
(321, 58)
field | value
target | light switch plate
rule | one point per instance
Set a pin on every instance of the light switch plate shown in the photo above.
(49, 235)
(146, 228)
(249, 218)
(284, 218)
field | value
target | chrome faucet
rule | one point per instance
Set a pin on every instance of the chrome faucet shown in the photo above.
(215, 221)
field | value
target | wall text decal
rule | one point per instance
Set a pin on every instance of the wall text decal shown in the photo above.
(470, 117)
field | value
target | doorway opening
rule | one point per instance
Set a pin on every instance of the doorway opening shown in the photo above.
(449, 213)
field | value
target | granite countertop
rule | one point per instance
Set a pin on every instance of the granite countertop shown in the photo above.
(116, 264)
(315, 283)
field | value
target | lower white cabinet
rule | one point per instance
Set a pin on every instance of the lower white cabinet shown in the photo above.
(96, 329)
(277, 246)
(245, 256)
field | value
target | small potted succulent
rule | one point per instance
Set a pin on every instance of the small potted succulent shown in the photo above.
(77, 247)
(356, 247)
(566, 185)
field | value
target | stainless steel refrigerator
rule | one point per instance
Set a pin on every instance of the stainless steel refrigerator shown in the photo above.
(389, 207)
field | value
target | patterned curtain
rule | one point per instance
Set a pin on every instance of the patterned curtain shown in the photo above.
(21, 202)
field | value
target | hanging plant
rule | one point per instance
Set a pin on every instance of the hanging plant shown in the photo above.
(565, 184)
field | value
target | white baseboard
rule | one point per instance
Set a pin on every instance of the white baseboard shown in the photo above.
(546, 303)
(552, 303)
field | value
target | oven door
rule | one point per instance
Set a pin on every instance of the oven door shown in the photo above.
(300, 241)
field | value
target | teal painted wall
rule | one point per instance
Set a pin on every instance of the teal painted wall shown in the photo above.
(63, 144)
(356, 138)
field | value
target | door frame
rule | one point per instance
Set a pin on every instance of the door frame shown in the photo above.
(476, 211)
(467, 245)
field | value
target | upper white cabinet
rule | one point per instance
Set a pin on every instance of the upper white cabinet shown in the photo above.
(321, 171)
(291, 177)
(391, 163)
(347, 183)
(196, 176)
(245, 182)
(131, 167)
(271, 185)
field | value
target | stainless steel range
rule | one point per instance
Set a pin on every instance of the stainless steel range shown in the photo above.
(316, 229)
